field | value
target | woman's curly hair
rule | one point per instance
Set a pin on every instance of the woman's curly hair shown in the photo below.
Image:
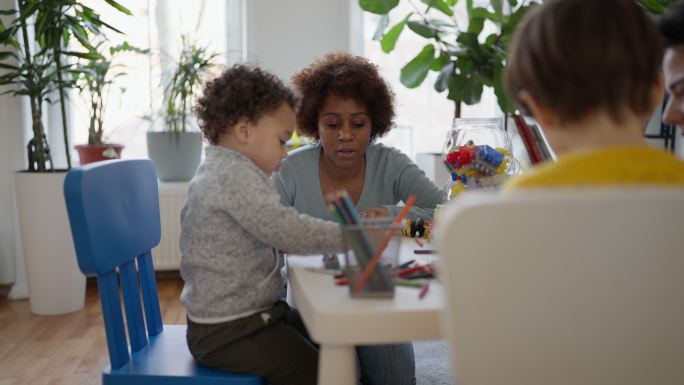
(240, 91)
(346, 76)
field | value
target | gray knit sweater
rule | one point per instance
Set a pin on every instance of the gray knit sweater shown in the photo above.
(231, 224)
(390, 177)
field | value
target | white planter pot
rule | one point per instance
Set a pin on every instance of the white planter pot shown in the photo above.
(55, 283)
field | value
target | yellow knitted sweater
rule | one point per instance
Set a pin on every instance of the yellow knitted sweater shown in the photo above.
(634, 166)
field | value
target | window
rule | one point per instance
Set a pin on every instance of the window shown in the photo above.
(158, 25)
(423, 115)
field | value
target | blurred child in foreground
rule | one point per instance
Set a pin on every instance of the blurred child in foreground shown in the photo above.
(591, 85)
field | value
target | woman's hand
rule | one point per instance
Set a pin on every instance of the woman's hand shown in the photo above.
(375, 212)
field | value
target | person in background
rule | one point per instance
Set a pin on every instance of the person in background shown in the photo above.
(672, 29)
(232, 225)
(591, 86)
(345, 106)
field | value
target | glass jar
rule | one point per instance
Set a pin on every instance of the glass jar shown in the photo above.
(477, 154)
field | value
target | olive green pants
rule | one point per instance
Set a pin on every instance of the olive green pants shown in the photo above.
(273, 344)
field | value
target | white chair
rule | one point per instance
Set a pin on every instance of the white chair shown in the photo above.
(556, 287)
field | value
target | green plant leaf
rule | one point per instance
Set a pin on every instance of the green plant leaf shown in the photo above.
(85, 55)
(498, 10)
(6, 34)
(442, 82)
(440, 62)
(9, 67)
(439, 5)
(390, 39)
(653, 6)
(505, 102)
(475, 25)
(5, 54)
(423, 29)
(465, 89)
(120, 7)
(415, 71)
(379, 7)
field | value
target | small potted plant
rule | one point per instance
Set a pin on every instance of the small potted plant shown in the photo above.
(94, 78)
(176, 151)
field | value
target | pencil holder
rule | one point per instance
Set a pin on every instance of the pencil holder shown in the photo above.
(361, 244)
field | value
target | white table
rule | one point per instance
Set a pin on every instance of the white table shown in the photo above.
(338, 322)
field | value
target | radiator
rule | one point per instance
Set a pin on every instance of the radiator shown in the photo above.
(167, 255)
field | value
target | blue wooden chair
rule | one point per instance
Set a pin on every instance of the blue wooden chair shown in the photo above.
(113, 209)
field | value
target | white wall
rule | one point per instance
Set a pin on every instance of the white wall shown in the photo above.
(11, 159)
(285, 36)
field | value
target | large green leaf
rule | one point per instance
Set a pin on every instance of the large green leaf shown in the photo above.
(390, 39)
(440, 62)
(475, 25)
(423, 29)
(439, 5)
(379, 7)
(415, 71)
(465, 89)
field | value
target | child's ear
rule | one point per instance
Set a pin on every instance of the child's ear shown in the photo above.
(657, 93)
(545, 116)
(242, 130)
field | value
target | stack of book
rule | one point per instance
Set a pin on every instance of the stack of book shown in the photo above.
(532, 137)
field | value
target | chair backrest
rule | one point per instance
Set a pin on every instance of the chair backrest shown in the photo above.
(551, 287)
(113, 209)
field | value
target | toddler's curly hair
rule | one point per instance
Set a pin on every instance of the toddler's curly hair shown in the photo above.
(347, 76)
(240, 91)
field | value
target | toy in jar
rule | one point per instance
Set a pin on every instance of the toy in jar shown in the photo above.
(477, 154)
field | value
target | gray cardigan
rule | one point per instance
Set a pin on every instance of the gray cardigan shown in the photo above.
(390, 177)
(230, 224)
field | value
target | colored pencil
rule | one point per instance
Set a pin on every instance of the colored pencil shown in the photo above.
(361, 282)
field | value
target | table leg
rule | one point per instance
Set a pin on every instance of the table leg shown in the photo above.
(337, 365)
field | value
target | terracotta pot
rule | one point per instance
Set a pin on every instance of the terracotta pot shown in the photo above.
(94, 153)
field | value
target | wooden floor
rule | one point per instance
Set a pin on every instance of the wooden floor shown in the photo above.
(65, 349)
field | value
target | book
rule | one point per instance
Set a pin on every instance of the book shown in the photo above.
(540, 142)
(528, 139)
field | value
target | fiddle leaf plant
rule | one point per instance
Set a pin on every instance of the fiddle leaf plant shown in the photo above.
(466, 59)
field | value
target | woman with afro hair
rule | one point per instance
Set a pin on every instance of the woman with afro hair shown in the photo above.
(345, 105)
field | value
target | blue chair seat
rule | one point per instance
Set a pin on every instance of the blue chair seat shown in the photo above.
(167, 360)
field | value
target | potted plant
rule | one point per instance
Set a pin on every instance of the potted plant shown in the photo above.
(35, 61)
(176, 151)
(469, 58)
(95, 77)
